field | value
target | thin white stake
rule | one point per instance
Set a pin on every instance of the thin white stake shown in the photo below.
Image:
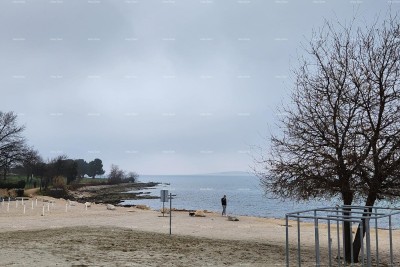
(66, 207)
(32, 203)
(36, 201)
(43, 211)
(48, 206)
(24, 209)
(22, 201)
(2, 203)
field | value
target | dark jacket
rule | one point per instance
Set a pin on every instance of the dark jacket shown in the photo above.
(223, 201)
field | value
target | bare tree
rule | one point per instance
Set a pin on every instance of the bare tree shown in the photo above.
(116, 175)
(341, 134)
(31, 158)
(377, 77)
(12, 143)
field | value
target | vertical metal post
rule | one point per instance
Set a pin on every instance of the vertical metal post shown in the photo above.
(317, 259)
(351, 247)
(287, 241)
(368, 242)
(298, 242)
(163, 208)
(391, 241)
(376, 239)
(329, 243)
(362, 243)
(338, 236)
(170, 213)
(344, 241)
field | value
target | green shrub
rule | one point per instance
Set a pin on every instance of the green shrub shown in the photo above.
(7, 185)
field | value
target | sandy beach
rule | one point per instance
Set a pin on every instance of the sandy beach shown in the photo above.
(73, 235)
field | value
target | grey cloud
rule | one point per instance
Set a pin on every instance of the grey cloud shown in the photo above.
(155, 86)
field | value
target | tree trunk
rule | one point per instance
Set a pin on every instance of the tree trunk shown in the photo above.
(347, 200)
(357, 242)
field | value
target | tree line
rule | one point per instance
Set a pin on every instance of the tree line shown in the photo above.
(17, 157)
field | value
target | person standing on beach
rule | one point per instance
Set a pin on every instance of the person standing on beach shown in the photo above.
(223, 202)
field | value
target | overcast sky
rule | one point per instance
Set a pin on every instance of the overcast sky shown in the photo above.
(157, 87)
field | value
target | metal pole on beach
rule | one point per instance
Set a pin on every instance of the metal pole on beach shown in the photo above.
(317, 256)
(298, 242)
(287, 240)
(390, 240)
(170, 213)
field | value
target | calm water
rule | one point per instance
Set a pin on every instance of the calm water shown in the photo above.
(244, 194)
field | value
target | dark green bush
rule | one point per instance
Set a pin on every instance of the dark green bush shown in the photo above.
(18, 185)
(56, 192)
(19, 192)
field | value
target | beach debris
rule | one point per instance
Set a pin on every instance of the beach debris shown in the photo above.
(165, 210)
(88, 204)
(110, 207)
(192, 213)
(233, 218)
(142, 207)
(199, 213)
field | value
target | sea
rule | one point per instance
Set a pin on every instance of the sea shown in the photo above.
(245, 197)
(244, 194)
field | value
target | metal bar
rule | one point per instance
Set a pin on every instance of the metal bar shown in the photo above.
(376, 241)
(344, 245)
(368, 242)
(362, 244)
(391, 241)
(287, 241)
(351, 247)
(317, 259)
(310, 210)
(362, 207)
(170, 214)
(338, 239)
(327, 218)
(363, 213)
(329, 244)
(298, 243)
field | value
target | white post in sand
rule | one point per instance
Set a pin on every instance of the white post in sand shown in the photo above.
(2, 203)
(66, 207)
(22, 201)
(48, 206)
(43, 210)
(36, 201)
(24, 209)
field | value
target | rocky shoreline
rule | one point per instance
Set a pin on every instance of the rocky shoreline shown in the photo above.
(112, 194)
